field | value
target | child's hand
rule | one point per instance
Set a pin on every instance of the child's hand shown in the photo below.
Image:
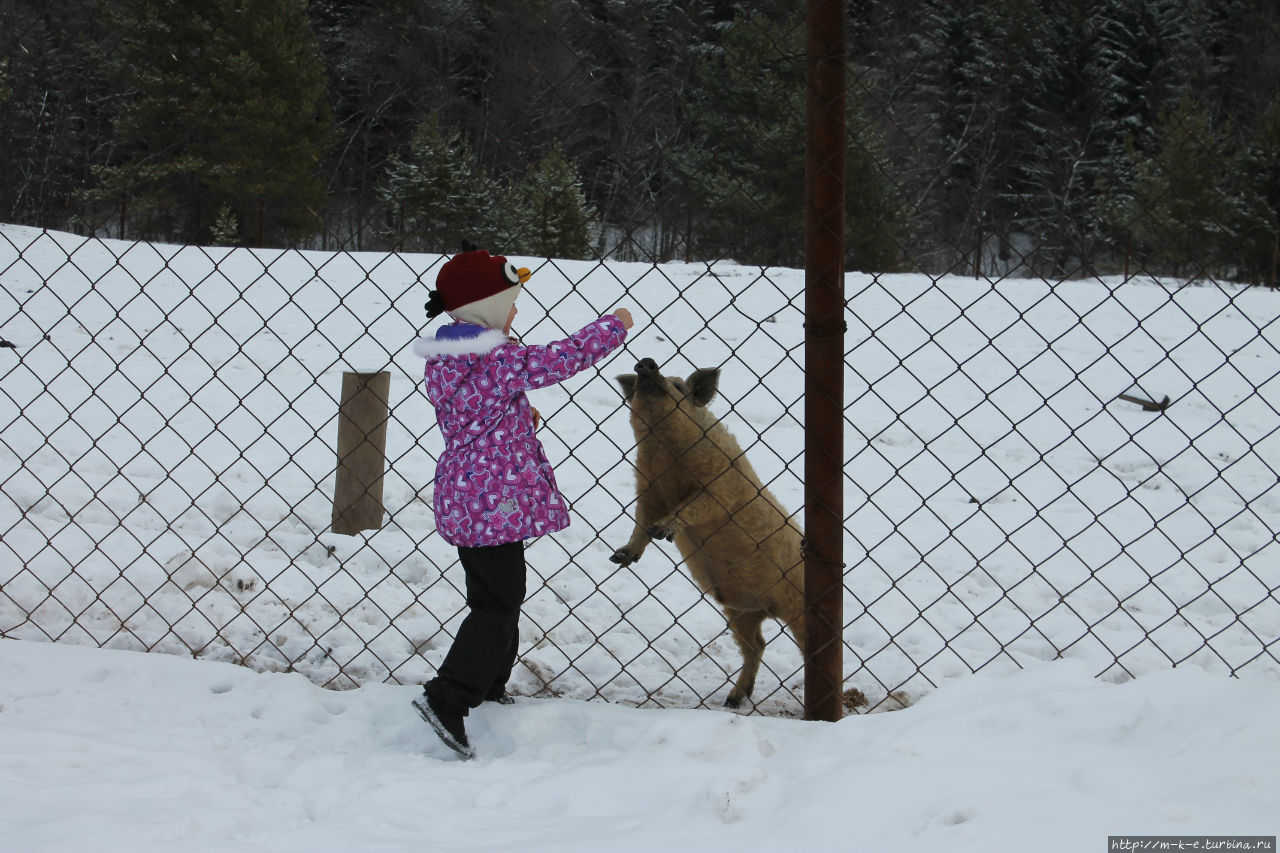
(625, 316)
(537, 417)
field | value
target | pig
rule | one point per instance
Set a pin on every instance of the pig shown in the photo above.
(695, 487)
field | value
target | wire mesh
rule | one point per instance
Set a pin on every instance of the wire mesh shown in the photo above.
(1060, 428)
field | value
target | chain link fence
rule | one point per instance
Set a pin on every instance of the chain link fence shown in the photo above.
(1060, 423)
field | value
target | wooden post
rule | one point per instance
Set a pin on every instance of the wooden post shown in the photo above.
(362, 448)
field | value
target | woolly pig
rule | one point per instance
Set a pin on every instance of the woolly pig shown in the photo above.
(696, 487)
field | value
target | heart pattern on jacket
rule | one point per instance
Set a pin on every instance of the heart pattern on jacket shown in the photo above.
(494, 483)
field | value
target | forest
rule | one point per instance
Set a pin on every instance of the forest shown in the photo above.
(986, 137)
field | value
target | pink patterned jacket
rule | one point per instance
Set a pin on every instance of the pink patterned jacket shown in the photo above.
(493, 482)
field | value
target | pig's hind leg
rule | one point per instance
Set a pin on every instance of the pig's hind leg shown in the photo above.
(745, 625)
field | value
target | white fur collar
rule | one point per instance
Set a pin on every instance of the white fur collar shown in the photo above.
(485, 342)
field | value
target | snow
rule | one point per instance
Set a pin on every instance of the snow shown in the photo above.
(167, 468)
(108, 750)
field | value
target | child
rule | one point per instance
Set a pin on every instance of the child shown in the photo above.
(494, 487)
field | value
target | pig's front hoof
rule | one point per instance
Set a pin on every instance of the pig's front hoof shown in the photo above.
(624, 557)
(660, 532)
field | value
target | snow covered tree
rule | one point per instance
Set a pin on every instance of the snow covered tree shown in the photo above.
(438, 193)
(223, 108)
(553, 218)
(742, 174)
(54, 110)
(629, 68)
(953, 117)
(1064, 140)
(742, 171)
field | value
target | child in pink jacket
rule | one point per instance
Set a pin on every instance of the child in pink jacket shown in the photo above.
(494, 487)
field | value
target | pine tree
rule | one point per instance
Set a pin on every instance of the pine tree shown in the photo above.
(874, 213)
(438, 193)
(958, 125)
(554, 218)
(390, 64)
(1182, 209)
(628, 68)
(54, 110)
(742, 172)
(1257, 222)
(1064, 140)
(224, 109)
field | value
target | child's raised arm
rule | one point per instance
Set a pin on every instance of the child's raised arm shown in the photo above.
(523, 368)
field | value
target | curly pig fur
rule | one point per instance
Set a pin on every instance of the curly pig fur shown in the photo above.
(696, 488)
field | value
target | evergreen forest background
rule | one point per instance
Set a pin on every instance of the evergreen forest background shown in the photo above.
(990, 137)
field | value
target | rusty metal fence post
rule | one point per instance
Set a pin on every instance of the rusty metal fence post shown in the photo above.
(824, 358)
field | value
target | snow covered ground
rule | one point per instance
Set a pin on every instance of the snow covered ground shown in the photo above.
(166, 463)
(116, 751)
(169, 417)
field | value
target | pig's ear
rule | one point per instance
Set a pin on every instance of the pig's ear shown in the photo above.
(703, 384)
(628, 383)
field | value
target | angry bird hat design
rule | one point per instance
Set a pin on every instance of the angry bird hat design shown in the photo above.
(477, 287)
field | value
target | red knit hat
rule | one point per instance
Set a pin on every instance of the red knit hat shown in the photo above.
(477, 287)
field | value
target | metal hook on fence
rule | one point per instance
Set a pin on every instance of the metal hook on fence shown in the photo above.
(1147, 405)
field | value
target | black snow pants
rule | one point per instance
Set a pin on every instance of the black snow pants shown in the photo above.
(484, 651)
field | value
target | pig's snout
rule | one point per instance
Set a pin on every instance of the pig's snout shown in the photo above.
(646, 367)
